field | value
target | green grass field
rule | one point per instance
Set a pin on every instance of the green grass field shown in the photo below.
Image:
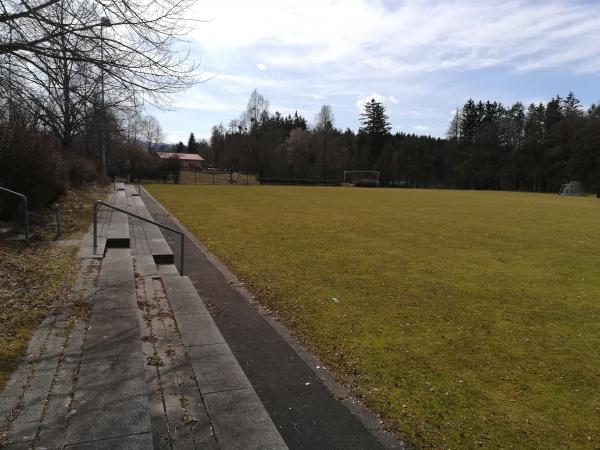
(467, 319)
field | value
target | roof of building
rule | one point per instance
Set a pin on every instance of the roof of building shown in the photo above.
(182, 156)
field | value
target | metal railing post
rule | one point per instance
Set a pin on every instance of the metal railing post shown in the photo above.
(26, 204)
(95, 225)
(182, 240)
(26, 212)
(58, 224)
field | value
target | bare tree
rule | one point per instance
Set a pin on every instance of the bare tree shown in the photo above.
(324, 127)
(324, 119)
(257, 107)
(256, 110)
(138, 50)
(69, 57)
(153, 133)
(60, 89)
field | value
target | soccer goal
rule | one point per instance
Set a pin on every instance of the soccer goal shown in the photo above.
(572, 188)
(361, 177)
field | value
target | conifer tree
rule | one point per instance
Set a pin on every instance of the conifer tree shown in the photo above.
(375, 128)
(192, 146)
(374, 121)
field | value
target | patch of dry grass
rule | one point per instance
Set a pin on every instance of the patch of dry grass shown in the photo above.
(34, 278)
(76, 214)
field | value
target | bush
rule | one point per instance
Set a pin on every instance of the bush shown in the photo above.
(30, 163)
(81, 170)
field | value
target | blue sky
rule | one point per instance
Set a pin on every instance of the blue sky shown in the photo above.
(421, 58)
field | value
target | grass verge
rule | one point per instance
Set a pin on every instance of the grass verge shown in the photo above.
(467, 319)
(34, 278)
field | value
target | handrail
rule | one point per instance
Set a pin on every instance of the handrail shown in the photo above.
(153, 222)
(58, 221)
(26, 213)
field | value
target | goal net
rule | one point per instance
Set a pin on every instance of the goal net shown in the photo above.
(361, 177)
(572, 188)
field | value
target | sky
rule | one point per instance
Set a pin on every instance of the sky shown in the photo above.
(421, 58)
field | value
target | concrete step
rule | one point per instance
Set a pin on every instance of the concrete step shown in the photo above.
(118, 231)
(6, 231)
(238, 416)
(159, 248)
(110, 398)
(153, 240)
(120, 198)
(17, 237)
(145, 266)
(132, 190)
(87, 250)
(167, 269)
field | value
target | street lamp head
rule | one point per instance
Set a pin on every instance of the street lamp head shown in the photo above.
(105, 22)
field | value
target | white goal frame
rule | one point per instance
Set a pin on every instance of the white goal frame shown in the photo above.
(352, 176)
(572, 188)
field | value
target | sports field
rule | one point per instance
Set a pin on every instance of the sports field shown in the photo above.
(467, 319)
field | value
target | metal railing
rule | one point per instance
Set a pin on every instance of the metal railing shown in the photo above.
(137, 216)
(57, 216)
(25, 207)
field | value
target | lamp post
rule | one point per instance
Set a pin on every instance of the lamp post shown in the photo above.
(104, 22)
(9, 99)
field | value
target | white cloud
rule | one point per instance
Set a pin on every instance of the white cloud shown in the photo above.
(421, 128)
(365, 35)
(362, 100)
(426, 55)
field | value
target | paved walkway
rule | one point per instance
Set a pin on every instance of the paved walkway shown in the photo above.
(133, 359)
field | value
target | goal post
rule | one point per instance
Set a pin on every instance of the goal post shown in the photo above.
(572, 188)
(361, 177)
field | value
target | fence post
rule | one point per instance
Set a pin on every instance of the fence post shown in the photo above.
(26, 204)
(58, 224)
(182, 240)
(95, 225)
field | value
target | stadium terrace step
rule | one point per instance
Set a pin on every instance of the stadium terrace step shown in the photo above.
(238, 416)
(7, 231)
(147, 238)
(132, 190)
(146, 368)
(17, 237)
(167, 269)
(106, 228)
(144, 266)
(110, 400)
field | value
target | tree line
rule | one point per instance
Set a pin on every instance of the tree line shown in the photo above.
(75, 76)
(488, 146)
